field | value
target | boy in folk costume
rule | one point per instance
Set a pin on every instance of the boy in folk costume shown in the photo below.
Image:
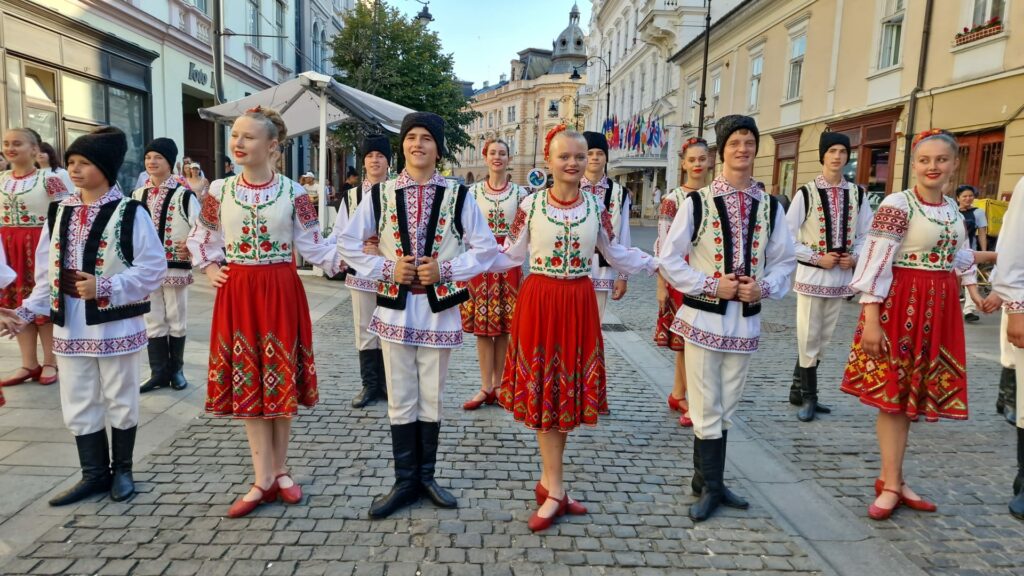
(433, 238)
(173, 209)
(829, 218)
(98, 260)
(616, 202)
(376, 155)
(740, 252)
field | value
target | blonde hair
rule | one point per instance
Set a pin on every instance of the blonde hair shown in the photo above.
(271, 119)
(492, 141)
(560, 131)
(33, 136)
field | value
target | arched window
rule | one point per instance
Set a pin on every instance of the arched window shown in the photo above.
(323, 50)
(316, 51)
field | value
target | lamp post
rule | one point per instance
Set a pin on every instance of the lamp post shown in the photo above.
(704, 74)
(424, 17)
(536, 136)
(607, 79)
(553, 109)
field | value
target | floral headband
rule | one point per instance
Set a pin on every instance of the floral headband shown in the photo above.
(551, 136)
(930, 133)
(693, 141)
(257, 109)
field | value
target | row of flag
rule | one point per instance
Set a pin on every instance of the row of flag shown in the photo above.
(637, 133)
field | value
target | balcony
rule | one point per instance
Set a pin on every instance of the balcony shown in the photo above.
(256, 59)
(282, 73)
(191, 20)
(660, 21)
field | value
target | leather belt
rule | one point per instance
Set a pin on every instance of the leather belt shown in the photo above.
(417, 289)
(68, 278)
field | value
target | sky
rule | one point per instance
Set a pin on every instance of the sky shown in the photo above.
(485, 35)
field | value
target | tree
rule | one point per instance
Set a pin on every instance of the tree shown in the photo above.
(382, 52)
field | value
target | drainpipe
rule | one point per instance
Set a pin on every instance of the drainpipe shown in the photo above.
(912, 108)
(217, 41)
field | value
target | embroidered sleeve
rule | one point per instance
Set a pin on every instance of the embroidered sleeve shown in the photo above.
(814, 258)
(517, 224)
(446, 271)
(766, 289)
(1013, 307)
(55, 188)
(104, 288)
(623, 277)
(209, 217)
(890, 223)
(389, 271)
(25, 314)
(606, 223)
(710, 288)
(305, 213)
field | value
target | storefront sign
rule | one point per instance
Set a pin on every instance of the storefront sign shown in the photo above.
(197, 74)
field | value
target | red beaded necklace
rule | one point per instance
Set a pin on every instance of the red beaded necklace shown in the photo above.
(925, 202)
(23, 176)
(496, 190)
(558, 202)
(252, 186)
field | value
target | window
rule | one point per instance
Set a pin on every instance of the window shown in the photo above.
(786, 157)
(987, 10)
(716, 92)
(643, 84)
(511, 115)
(553, 108)
(797, 49)
(315, 52)
(201, 4)
(892, 34)
(691, 101)
(253, 22)
(981, 162)
(279, 24)
(322, 58)
(490, 119)
(499, 118)
(756, 67)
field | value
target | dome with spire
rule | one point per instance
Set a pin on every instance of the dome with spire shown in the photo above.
(569, 49)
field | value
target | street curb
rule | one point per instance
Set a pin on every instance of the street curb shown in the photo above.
(824, 528)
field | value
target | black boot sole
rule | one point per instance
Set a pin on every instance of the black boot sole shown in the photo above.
(79, 492)
(704, 508)
(398, 498)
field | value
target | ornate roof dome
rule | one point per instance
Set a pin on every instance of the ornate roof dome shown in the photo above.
(569, 49)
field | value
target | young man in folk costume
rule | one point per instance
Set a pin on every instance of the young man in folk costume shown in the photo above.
(740, 252)
(433, 238)
(616, 202)
(376, 155)
(829, 218)
(97, 261)
(173, 209)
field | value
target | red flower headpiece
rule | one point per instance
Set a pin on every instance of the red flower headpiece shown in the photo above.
(928, 134)
(550, 137)
(257, 109)
(693, 141)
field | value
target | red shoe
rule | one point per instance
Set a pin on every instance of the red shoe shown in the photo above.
(685, 421)
(243, 507)
(47, 380)
(921, 505)
(879, 513)
(573, 508)
(538, 523)
(489, 398)
(291, 494)
(30, 374)
(677, 405)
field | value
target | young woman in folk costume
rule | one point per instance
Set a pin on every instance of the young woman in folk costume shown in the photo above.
(261, 344)
(908, 357)
(696, 164)
(25, 194)
(488, 312)
(554, 376)
(48, 161)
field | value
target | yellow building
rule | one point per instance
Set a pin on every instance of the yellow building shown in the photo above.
(877, 70)
(523, 106)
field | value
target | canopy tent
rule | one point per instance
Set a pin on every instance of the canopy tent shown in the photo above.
(312, 102)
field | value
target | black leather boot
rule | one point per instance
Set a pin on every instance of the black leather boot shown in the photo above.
(94, 456)
(1006, 404)
(382, 378)
(368, 375)
(809, 392)
(176, 368)
(122, 446)
(795, 398)
(407, 487)
(729, 498)
(712, 467)
(1017, 504)
(427, 456)
(158, 357)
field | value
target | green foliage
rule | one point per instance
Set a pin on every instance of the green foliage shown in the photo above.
(382, 52)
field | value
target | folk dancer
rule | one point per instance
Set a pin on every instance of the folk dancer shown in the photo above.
(616, 202)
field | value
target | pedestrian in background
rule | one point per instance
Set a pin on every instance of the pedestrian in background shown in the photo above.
(196, 180)
(49, 162)
(977, 235)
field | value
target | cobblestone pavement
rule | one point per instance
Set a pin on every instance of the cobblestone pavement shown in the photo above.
(629, 470)
(965, 467)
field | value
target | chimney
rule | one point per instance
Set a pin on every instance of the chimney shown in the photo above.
(487, 83)
(504, 77)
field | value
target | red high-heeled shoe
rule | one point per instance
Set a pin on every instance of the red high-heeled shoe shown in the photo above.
(572, 507)
(489, 398)
(676, 404)
(291, 494)
(47, 380)
(921, 505)
(30, 374)
(243, 507)
(685, 421)
(879, 513)
(537, 523)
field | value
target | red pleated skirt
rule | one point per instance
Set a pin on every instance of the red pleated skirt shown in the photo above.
(554, 377)
(666, 315)
(925, 373)
(2, 401)
(19, 244)
(492, 301)
(261, 345)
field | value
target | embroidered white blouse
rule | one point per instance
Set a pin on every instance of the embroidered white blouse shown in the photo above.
(1008, 276)
(155, 203)
(417, 324)
(7, 274)
(25, 199)
(814, 281)
(908, 233)
(729, 332)
(604, 278)
(115, 338)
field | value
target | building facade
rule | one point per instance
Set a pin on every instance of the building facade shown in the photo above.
(525, 104)
(801, 67)
(144, 66)
(641, 103)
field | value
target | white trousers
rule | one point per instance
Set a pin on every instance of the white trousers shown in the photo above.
(415, 378)
(602, 301)
(168, 313)
(94, 391)
(816, 320)
(1007, 356)
(714, 385)
(969, 307)
(363, 305)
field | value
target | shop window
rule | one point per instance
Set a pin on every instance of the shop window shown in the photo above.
(872, 150)
(786, 157)
(127, 112)
(981, 158)
(84, 99)
(14, 98)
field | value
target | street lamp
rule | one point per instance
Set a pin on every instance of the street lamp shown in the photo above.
(553, 108)
(424, 17)
(704, 74)
(607, 78)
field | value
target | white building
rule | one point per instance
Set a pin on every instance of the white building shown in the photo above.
(144, 66)
(635, 38)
